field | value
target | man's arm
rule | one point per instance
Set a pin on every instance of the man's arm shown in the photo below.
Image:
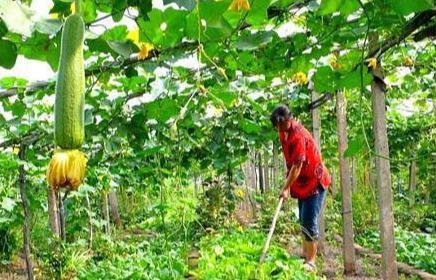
(292, 176)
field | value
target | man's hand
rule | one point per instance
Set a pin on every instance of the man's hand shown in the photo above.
(284, 193)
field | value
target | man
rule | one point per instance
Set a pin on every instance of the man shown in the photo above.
(307, 177)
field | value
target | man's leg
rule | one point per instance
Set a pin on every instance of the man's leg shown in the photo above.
(311, 250)
(311, 209)
(300, 218)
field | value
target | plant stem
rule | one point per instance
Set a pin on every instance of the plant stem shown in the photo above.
(78, 6)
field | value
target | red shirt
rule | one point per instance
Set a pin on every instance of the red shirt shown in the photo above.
(299, 146)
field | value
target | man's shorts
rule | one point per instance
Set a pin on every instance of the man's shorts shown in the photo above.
(309, 210)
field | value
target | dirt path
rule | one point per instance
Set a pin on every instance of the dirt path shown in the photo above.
(330, 264)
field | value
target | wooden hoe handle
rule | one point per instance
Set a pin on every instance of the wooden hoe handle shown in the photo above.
(271, 231)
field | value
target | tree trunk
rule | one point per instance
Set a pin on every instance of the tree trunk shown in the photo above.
(316, 131)
(266, 172)
(253, 177)
(62, 222)
(53, 213)
(353, 174)
(113, 203)
(26, 223)
(371, 173)
(261, 181)
(344, 170)
(105, 211)
(333, 184)
(389, 263)
(412, 181)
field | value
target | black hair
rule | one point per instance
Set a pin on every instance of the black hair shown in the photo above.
(281, 113)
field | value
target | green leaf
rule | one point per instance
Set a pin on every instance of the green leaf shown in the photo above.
(345, 7)
(165, 28)
(405, 7)
(325, 80)
(249, 41)
(89, 10)
(3, 28)
(48, 26)
(8, 55)
(211, 12)
(18, 108)
(329, 7)
(354, 147)
(118, 9)
(60, 7)
(162, 110)
(117, 33)
(226, 97)
(125, 49)
(352, 79)
(249, 126)
(258, 13)
(349, 6)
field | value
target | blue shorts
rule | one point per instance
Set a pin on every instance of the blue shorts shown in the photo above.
(309, 210)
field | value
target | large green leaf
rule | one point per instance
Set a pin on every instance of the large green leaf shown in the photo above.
(329, 7)
(3, 28)
(345, 7)
(216, 26)
(405, 7)
(249, 41)
(162, 110)
(48, 26)
(8, 55)
(258, 13)
(353, 79)
(89, 10)
(249, 126)
(325, 80)
(226, 97)
(165, 28)
(124, 49)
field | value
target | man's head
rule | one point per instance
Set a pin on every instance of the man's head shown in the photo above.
(280, 117)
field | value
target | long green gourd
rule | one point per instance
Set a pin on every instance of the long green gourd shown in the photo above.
(70, 86)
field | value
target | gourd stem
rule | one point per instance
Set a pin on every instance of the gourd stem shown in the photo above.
(78, 7)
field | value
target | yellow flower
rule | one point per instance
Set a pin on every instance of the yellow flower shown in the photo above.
(372, 62)
(144, 50)
(66, 169)
(134, 36)
(408, 61)
(15, 150)
(239, 193)
(300, 78)
(239, 5)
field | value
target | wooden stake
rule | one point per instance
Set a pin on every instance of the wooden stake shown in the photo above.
(26, 223)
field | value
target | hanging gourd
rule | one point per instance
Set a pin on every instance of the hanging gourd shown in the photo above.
(68, 164)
